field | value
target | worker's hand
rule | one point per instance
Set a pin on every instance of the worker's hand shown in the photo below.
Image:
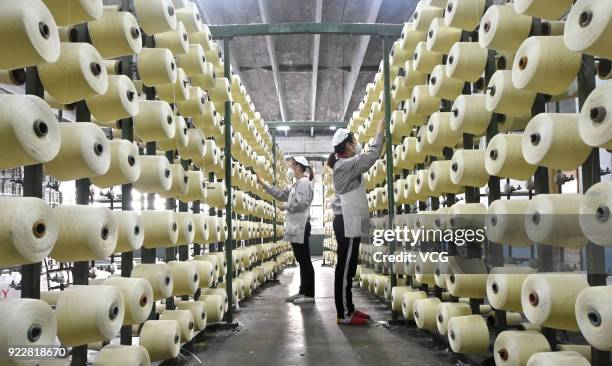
(260, 181)
(380, 128)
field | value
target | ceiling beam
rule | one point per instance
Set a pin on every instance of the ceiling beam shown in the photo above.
(270, 44)
(306, 124)
(277, 29)
(358, 55)
(315, 63)
(308, 68)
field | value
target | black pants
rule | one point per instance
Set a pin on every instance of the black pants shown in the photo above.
(302, 255)
(346, 267)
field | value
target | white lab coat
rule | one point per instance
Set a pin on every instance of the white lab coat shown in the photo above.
(298, 197)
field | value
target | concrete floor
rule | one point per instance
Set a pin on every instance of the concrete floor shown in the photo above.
(273, 332)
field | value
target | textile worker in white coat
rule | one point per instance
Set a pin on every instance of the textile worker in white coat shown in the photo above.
(298, 198)
(351, 215)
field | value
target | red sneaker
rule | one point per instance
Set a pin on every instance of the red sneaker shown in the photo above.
(361, 314)
(353, 320)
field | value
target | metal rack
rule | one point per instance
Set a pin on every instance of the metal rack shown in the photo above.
(595, 257)
(33, 187)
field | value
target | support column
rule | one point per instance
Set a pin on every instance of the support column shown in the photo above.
(32, 187)
(389, 152)
(228, 183)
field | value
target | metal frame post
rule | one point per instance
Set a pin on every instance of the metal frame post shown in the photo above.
(495, 252)
(389, 153)
(127, 133)
(81, 269)
(149, 256)
(183, 250)
(32, 187)
(545, 252)
(170, 253)
(274, 220)
(228, 182)
(195, 209)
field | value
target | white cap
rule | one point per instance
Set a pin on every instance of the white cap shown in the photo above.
(301, 160)
(340, 135)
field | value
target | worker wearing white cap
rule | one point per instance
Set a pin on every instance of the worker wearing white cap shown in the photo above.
(351, 215)
(297, 223)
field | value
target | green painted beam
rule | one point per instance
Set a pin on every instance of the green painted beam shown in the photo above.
(306, 124)
(229, 243)
(273, 29)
